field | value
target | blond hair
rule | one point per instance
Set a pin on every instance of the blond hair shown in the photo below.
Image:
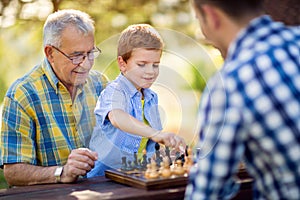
(138, 36)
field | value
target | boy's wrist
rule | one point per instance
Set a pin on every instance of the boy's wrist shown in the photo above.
(154, 134)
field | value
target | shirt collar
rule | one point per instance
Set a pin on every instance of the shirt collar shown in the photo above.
(50, 74)
(131, 89)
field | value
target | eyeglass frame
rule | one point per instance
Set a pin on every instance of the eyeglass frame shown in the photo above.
(86, 55)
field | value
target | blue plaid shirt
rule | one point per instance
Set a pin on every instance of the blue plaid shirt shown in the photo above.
(250, 111)
(110, 142)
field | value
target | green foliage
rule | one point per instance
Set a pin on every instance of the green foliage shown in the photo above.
(3, 183)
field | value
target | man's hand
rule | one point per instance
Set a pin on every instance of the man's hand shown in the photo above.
(80, 161)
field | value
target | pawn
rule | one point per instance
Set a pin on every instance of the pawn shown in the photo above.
(124, 164)
(178, 169)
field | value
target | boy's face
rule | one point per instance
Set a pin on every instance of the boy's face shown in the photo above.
(142, 68)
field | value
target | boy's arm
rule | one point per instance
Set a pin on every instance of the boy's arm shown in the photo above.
(128, 123)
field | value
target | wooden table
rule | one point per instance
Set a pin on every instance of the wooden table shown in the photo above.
(101, 188)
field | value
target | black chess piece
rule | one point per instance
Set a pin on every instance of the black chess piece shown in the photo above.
(179, 156)
(137, 164)
(167, 150)
(129, 166)
(158, 158)
(186, 150)
(124, 164)
(135, 161)
(144, 161)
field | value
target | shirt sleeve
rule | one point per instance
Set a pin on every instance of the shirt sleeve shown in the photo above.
(111, 98)
(17, 134)
(220, 146)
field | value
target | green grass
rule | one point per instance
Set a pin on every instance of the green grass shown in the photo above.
(3, 183)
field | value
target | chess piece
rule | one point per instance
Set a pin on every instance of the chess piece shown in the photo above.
(129, 166)
(135, 161)
(167, 151)
(188, 160)
(161, 168)
(178, 169)
(166, 172)
(153, 171)
(144, 161)
(124, 164)
(158, 158)
(179, 156)
(148, 171)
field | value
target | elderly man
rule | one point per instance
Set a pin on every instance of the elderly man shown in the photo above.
(48, 115)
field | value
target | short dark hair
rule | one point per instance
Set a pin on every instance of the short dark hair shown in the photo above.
(233, 8)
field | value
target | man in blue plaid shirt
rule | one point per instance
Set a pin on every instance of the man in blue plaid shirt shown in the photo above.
(250, 109)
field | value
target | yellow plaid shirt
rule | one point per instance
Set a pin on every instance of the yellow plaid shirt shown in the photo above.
(40, 124)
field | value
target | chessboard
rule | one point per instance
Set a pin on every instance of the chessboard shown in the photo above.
(154, 173)
(137, 179)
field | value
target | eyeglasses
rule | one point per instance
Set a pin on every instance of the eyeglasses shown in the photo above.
(77, 59)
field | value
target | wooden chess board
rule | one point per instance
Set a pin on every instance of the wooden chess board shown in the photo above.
(136, 179)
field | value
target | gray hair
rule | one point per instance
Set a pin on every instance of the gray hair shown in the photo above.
(58, 21)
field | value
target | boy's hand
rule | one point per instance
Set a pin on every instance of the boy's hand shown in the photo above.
(171, 140)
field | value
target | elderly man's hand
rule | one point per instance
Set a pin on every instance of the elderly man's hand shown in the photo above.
(80, 161)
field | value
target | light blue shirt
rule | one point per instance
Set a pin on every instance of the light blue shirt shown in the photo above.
(111, 143)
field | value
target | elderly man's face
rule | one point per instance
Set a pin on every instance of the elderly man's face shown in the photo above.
(73, 43)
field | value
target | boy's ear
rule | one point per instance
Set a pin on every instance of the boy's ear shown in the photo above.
(212, 16)
(122, 64)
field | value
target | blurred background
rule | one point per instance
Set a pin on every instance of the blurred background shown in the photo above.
(186, 64)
